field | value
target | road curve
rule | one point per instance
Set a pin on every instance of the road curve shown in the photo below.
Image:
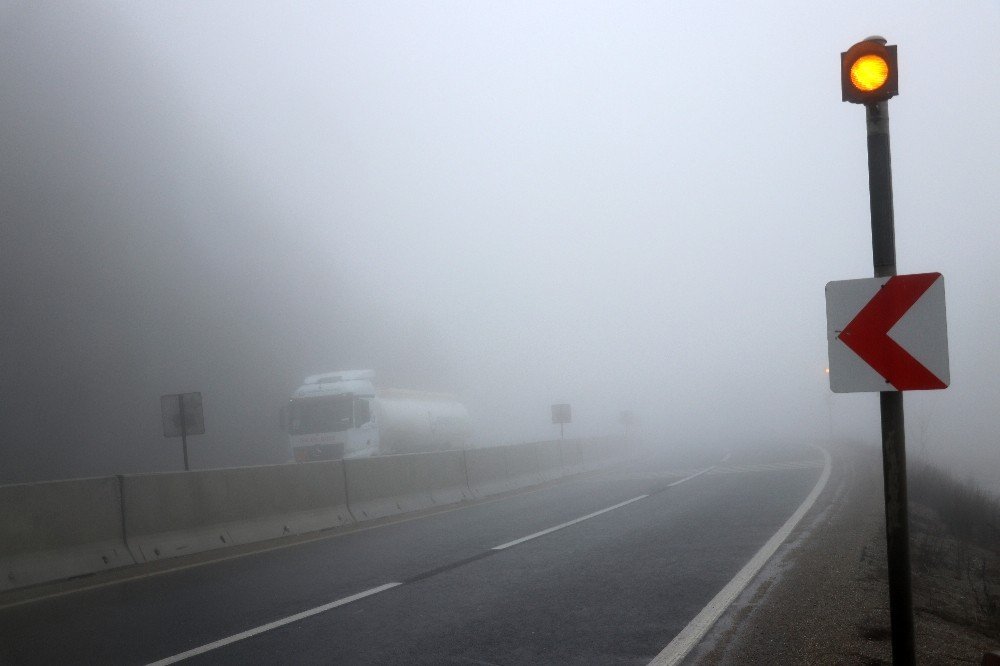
(608, 568)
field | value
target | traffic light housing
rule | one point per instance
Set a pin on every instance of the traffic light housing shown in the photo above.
(868, 72)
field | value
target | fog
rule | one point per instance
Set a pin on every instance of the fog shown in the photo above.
(618, 206)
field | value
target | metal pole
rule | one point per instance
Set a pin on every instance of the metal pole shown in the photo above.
(897, 529)
(184, 434)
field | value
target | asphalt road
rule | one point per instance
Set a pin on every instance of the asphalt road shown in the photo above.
(634, 557)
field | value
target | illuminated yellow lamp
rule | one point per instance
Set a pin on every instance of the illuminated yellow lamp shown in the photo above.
(869, 72)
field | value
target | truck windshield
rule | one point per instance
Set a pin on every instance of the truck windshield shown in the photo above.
(320, 415)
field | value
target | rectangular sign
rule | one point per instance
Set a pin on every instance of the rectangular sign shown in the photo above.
(887, 334)
(561, 414)
(193, 422)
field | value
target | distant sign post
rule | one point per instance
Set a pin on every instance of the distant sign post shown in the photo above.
(627, 419)
(561, 414)
(182, 416)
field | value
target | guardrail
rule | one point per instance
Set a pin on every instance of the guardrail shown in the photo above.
(61, 529)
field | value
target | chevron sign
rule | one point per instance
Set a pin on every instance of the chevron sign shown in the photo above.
(887, 334)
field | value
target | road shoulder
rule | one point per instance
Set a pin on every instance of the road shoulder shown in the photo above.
(823, 598)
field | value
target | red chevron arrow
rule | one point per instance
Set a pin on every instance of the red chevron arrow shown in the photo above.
(868, 333)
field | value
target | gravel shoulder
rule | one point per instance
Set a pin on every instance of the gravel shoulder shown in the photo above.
(824, 599)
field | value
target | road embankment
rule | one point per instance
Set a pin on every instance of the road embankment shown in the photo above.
(825, 598)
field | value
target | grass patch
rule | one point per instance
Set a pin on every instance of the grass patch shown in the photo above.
(955, 549)
(970, 513)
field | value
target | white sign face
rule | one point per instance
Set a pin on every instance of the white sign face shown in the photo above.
(887, 334)
(561, 414)
(193, 422)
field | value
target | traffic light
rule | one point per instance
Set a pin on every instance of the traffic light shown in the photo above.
(868, 72)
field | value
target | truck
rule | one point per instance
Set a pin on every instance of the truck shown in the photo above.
(337, 415)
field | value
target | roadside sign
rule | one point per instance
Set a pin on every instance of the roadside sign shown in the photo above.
(561, 414)
(182, 416)
(887, 334)
(178, 422)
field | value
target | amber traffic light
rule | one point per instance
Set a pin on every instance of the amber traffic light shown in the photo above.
(868, 72)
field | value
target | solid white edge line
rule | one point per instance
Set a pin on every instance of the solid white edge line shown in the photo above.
(696, 629)
(272, 625)
(567, 524)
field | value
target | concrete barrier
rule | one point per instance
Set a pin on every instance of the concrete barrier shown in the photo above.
(572, 457)
(384, 486)
(523, 465)
(595, 451)
(487, 471)
(60, 529)
(599, 452)
(444, 475)
(390, 485)
(550, 463)
(178, 513)
(504, 468)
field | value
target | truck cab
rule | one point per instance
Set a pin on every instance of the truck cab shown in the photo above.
(331, 416)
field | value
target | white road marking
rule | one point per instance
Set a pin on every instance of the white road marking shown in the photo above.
(208, 647)
(767, 467)
(689, 636)
(592, 515)
(382, 588)
(273, 625)
(567, 524)
(693, 476)
(215, 556)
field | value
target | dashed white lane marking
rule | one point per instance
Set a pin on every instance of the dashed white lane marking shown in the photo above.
(567, 524)
(689, 636)
(592, 515)
(382, 588)
(273, 625)
(692, 476)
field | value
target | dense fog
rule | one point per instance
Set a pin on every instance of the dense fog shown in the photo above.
(617, 206)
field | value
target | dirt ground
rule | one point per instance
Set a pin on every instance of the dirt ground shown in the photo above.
(824, 598)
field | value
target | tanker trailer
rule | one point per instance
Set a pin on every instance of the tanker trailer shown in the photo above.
(343, 415)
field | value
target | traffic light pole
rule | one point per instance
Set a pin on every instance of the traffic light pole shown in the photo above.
(897, 528)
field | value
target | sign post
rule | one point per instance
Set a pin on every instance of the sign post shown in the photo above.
(183, 415)
(869, 76)
(627, 419)
(561, 414)
(897, 525)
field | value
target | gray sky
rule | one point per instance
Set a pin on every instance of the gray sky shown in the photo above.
(616, 205)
